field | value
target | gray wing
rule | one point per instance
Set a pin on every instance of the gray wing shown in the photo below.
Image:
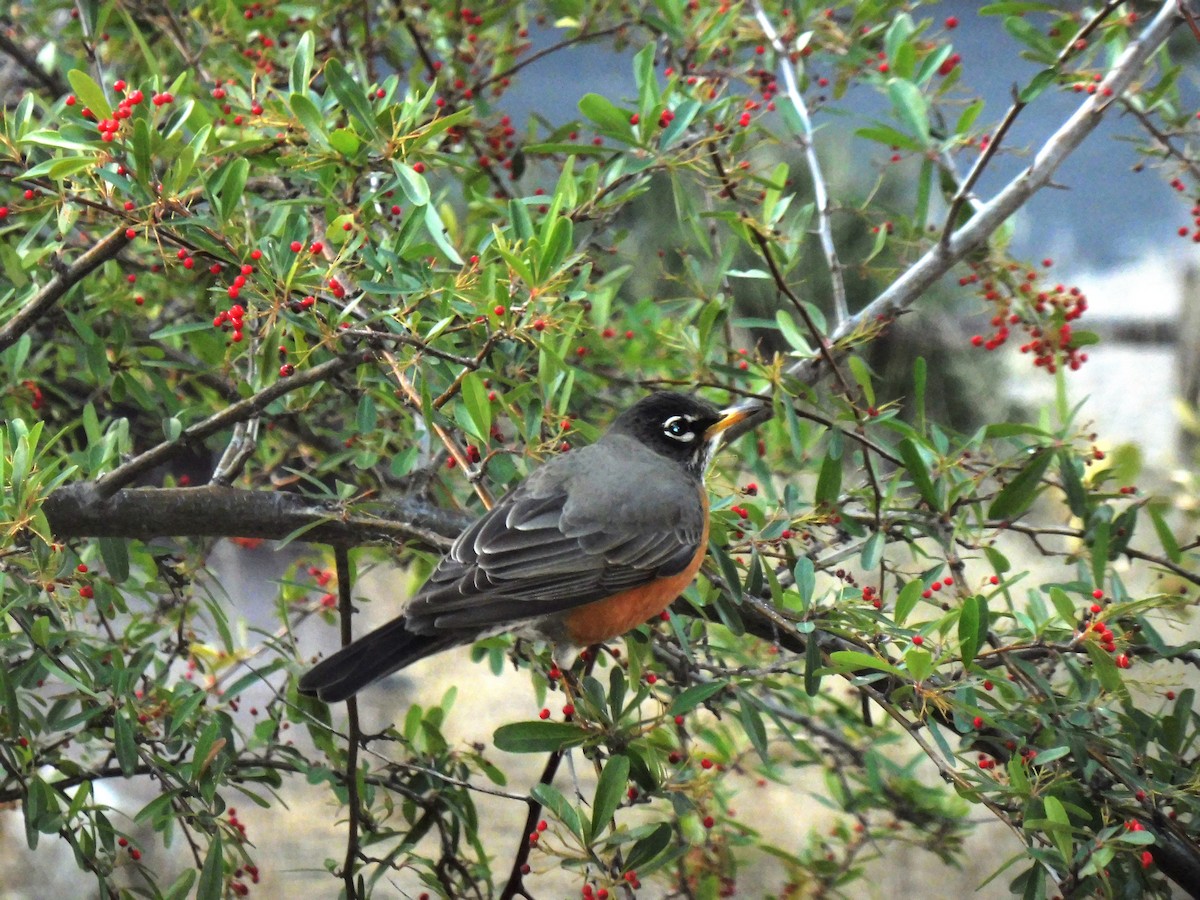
(555, 542)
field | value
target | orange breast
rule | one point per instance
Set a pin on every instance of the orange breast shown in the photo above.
(603, 620)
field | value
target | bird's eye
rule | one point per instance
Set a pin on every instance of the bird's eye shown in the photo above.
(679, 428)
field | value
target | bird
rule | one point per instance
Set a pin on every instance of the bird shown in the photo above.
(591, 544)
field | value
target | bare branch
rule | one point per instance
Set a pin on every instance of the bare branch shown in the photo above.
(353, 734)
(125, 473)
(820, 191)
(79, 510)
(108, 247)
(27, 61)
(939, 259)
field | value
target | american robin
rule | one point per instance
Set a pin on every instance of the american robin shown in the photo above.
(593, 543)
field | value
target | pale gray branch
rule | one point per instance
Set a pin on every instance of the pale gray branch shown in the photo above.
(820, 191)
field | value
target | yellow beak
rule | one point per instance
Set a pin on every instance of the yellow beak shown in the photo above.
(730, 417)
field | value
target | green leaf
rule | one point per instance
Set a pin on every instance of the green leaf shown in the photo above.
(648, 849)
(1165, 536)
(479, 408)
(537, 737)
(1069, 468)
(1042, 80)
(310, 117)
(300, 73)
(873, 550)
(1018, 494)
(973, 624)
(919, 663)
(1105, 668)
(181, 328)
(124, 745)
(344, 141)
(552, 798)
(850, 661)
(889, 137)
(691, 697)
(612, 120)
(791, 334)
(610, 792)
(1100, 534)
(233, 187)
(89, 93)
(212, 876)
(812, 666)
(968, 116)
(1062, 604)
(60, 168)
(437, 230)
(911, 108)
(862, 375)
(1040, 47)
(910, 594)
(829, 482)
(115, 553)
(182, 886)
(365, 420)
(350, 95)
(805, 574)
(752, 725)
(1060, 827)
(918, 471)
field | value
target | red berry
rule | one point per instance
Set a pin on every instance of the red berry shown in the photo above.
(296, 246)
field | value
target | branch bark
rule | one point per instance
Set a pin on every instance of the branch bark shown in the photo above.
(110, 245)
(79, 510)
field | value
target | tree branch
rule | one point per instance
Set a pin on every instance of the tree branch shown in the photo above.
(108, 247)
(939, 259)
(353, 734)
(109, 484)
(79, 510)
(820, 192)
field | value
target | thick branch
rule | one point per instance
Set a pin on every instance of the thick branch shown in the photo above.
(57, 286)
(78, 510)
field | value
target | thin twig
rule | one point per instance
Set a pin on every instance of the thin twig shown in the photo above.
(1018, 104)
(582, 37)
(940, 258)
(820, 191)
(109, 484)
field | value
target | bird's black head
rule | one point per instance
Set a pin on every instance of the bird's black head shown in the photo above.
(677, 426)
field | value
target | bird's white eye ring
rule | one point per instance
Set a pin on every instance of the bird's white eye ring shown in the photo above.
(679, 428)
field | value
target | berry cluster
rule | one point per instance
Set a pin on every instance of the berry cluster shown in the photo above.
(1052, 344)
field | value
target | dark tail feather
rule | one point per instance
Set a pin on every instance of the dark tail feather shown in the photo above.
(385, 650)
